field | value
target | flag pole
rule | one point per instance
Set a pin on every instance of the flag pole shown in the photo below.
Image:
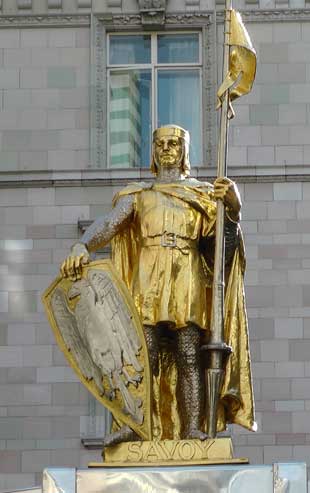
(217, 348)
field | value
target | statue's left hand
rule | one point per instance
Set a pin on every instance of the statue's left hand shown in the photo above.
(73, 264)
(227, 191)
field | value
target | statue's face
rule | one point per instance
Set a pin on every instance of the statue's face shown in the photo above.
(168, 151)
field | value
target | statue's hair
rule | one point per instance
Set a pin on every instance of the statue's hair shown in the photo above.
(183, 135)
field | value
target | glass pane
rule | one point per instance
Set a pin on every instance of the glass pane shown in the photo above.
(179, 102)
(126, 50)
(178, 48)
(130, 118)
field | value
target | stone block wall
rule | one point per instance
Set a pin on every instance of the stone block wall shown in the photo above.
(276, 226)
(271, 127)
(44, 86)
(43, 407)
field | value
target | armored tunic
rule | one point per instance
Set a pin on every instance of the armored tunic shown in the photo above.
(169, 282)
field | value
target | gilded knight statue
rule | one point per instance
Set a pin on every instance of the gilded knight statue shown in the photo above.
(162, 237)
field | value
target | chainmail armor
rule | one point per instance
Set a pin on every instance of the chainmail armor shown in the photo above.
(231, 232)
(101, 231)
(190, 380)
(152, 342)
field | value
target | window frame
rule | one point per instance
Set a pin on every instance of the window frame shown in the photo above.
(154, 67)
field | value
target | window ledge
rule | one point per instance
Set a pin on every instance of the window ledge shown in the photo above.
(119, 177)
(92, 443)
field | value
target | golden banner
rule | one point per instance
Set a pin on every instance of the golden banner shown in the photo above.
(242, 63)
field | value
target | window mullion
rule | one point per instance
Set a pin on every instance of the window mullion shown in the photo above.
(154, 98)
(108, 119)
(154, 85)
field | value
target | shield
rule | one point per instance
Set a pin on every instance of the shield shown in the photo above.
(98, 328)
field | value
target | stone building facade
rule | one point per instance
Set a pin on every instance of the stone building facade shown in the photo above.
(55, 176)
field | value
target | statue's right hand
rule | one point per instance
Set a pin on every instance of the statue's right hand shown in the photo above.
(72, 266)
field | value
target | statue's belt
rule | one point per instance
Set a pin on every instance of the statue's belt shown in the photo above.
(170, 240)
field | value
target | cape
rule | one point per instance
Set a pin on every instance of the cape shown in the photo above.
(236, 403)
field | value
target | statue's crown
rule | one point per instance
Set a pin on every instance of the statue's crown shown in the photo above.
(171, 130)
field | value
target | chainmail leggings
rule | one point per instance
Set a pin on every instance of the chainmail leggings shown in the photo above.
(190, 390)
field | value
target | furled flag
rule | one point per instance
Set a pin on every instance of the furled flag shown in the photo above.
(242, 63)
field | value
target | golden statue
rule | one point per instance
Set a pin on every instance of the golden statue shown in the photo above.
(162, 235)
(159, 332)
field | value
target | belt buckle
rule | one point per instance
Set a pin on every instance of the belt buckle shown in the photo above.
(168, 240)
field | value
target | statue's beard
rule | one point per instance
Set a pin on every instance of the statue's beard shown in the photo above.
(167, 160)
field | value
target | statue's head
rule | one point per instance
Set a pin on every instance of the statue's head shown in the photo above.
(170, 149)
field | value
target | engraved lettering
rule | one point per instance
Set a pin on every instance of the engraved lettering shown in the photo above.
(213, 450)
(186, 450)
(201, 446)
(151, 453)
(162, 450)
(204, 447)
(170, 450)
(134, 452)
(172, 444)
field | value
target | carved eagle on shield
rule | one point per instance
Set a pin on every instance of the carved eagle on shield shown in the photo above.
(98, 328)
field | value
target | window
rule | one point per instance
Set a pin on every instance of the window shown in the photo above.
(154, 80)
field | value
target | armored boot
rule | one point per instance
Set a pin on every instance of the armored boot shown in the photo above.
(191, 390)
(124, 434)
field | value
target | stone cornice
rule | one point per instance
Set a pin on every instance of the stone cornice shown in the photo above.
(46, 20)
(270, 15)
(108, 19)
(172, 19)
(177, 19)
(189, 19)
(108, 178)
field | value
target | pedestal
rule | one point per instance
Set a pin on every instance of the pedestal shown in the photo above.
(279, 478)
(170, 452)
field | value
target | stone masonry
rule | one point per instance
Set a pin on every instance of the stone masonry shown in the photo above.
(48, 183)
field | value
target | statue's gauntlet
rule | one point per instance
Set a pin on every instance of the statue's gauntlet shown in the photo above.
(79, 249)
(73, 264)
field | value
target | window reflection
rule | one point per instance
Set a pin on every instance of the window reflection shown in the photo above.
(126, 50)
(178, 48)
(179, 102)
(130, 118)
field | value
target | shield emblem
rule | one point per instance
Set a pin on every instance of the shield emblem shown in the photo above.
(98, 328)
